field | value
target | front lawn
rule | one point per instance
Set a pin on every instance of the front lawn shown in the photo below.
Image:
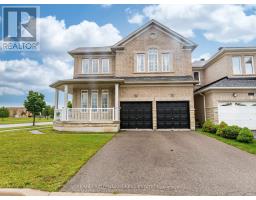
(13, 120)
(249, 147)
(44, 161)
(25, 128)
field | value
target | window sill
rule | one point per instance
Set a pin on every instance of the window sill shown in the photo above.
(153, 72)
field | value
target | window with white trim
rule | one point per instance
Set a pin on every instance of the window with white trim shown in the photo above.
(248, 63)
(152, 60)
(140, 62)
(105, 99)
(196, 76)
(94, 100)
(236, 62)
(84, 99)
(85, 66)
(95, 66)
(166, 62)
(105, 65)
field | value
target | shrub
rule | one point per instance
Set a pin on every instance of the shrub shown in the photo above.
(214, 128)
(230, 132)
(4, 112)
(222, 125)
(245, 135)
(207, 126)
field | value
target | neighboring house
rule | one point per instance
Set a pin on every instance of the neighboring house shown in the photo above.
(227, 87)
(18, 112)
(142, 82)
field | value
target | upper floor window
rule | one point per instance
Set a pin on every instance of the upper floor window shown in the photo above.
(236, 61)
(166, 62)
(140, 62)
(105, 65)
(152, 60)
(85, 66)
(196, 76)
(248, 63)
(95, 66)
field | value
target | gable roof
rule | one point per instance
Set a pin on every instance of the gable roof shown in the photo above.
(223, 50)
(187, 43)
(230, 83)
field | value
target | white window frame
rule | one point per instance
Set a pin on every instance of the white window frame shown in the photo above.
(157, 69)
(84, 109)
(96, 109)
(83, 60)
(97, 61)
(252, 65)
(170, 61)
(108, 64)
(104, 92)
(241, 72)
(199, 76)
(137, 63)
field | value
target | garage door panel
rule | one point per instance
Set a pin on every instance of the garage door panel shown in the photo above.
(238, 113)
(173, 115)
(136, 115)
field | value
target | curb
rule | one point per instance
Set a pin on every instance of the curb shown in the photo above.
(33, 192)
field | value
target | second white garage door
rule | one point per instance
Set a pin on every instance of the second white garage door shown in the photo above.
(242, 114)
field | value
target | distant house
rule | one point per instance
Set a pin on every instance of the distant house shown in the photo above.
(18, 112)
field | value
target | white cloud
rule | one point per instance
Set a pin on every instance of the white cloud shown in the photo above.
(106, 5)
(222, 23)
(19, 76)
(136, 19)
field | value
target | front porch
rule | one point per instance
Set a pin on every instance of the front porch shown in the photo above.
(95, 106)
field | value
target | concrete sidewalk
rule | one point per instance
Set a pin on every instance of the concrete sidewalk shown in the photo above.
(33, 192)
(23, 124)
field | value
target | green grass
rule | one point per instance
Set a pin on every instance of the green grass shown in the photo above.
(26, 128)
(13, 120)
(47, 161)
(250, 148)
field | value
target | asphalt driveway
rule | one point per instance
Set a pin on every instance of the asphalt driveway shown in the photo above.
(178, 163)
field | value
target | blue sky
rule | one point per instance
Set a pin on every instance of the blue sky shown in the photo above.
(64, 27)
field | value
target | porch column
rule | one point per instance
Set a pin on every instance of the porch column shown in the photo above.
(117, 102)
(65, 102)
(56, 99)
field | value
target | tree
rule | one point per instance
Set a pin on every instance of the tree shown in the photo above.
(69, 104)
(4, 113)
(34, 103)
(46, 111)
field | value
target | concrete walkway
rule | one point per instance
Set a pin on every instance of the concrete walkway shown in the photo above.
(164, 163)
(24, 124)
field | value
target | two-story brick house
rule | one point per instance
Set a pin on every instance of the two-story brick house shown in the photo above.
(143, 82)
(227, 87)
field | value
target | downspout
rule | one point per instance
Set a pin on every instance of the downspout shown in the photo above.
(204, 106)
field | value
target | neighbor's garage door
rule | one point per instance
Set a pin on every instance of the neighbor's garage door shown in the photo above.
(136, 115)
(238, 113)
(172, 114)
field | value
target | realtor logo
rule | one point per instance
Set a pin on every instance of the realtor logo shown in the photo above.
(20, 30)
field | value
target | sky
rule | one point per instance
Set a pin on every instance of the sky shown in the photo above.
(65, 27)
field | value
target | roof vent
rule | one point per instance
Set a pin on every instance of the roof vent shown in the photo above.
(202, 59)
(220, 48)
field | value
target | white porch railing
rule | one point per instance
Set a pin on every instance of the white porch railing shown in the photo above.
(85, 114)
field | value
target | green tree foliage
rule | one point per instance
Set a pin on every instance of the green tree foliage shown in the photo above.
(4, 112)
(34, 103)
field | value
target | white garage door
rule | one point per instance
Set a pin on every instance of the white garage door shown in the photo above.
(242, 114)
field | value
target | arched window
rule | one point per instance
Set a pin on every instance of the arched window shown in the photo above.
(152, 60)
